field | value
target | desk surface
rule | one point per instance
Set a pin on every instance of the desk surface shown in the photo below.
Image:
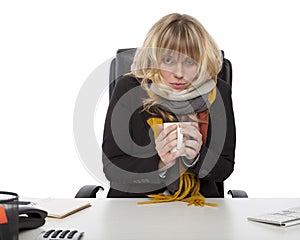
(120, 219)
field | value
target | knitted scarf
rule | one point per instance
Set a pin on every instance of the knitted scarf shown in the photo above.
(199, 100)
(193, 100)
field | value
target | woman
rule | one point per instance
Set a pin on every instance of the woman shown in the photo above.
(173, 79)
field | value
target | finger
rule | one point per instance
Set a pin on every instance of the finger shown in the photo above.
(169, 158)
(195, 145)
(166, 131)
(166, 147)
(189, 124)
(170, 129)
(172, 156)
(192, 148)
(162, 142)
(190, 153)
(180, 152)
(191, 132)
(166, 139)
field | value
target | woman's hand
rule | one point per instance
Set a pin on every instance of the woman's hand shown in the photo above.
(165, 142)
(192, 139)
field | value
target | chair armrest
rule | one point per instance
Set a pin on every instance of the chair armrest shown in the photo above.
(88, 191)
(237, 193)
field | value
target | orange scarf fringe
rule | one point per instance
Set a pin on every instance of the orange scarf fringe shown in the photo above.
(187, 182)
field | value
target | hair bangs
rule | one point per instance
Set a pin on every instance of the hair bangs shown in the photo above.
(181, 40)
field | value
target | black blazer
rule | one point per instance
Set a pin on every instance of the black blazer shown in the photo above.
(130, 161)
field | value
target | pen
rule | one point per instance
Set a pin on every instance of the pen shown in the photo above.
(26, 203)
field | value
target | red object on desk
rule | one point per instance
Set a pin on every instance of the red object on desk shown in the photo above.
(3, 218)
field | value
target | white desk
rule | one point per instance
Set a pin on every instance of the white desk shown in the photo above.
(120, 219)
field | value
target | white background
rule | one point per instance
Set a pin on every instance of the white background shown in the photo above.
(49, 48)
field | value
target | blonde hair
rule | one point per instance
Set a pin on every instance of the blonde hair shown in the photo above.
(175, 33)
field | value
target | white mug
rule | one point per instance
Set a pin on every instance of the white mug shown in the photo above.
(180, 142)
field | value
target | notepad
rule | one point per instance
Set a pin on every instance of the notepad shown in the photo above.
(284, 218)
(60, 208)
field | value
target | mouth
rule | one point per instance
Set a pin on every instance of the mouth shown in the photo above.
(178, 86)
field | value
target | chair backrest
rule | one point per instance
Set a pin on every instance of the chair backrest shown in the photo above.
(122, 62)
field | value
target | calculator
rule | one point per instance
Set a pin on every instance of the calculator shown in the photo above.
(61, 234)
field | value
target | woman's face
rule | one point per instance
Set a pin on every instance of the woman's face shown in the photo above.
(178, 70)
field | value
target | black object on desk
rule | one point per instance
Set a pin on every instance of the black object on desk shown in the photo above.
(8, 215)
(60, 234)
(31, 217)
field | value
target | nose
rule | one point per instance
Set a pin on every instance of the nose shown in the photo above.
(178, 71)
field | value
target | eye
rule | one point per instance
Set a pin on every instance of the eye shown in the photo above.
(189, 61)
(168, 60)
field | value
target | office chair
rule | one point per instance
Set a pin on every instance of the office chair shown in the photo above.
(120, 65)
